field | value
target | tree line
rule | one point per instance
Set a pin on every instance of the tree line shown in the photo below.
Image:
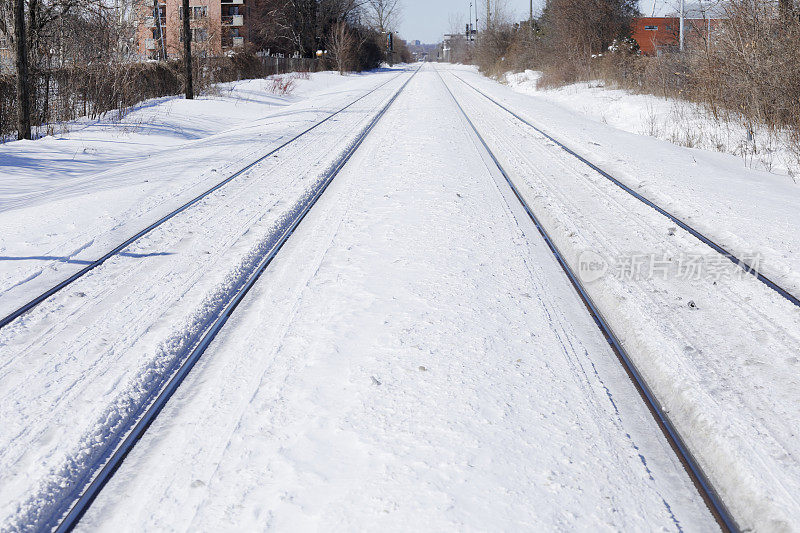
(70, 58)
(742, 68)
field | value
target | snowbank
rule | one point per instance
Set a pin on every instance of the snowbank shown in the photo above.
(683, 123)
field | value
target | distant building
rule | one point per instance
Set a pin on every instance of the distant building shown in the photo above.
(659, 34)
(656, 35)
(217, 26)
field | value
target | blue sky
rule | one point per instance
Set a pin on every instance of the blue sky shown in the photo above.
(427, 20)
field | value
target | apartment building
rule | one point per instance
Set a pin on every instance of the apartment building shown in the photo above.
(217, 26)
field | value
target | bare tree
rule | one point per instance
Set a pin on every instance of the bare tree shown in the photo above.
(382, 15)
(580, 28)
(342, 46)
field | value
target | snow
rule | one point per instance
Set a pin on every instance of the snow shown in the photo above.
(100, 350)
(720, 352)
(69, 198)
(745, 210)
(414, 358)
(388, 372)
(683, 123)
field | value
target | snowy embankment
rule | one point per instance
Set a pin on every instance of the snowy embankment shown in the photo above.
(68, 198)
(677, 121)
(96, 354)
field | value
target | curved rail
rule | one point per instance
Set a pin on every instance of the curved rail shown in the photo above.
(90, 492)
(744, 265)
(698, 477)
(108, 255)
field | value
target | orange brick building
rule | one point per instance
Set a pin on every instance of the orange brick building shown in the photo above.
(217, 26)
(656, 35)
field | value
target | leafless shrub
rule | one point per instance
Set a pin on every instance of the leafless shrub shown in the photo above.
(281, 85)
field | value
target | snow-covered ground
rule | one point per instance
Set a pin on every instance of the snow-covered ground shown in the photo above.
(67, 199)
(721, 351)
(389, 373)
(679, 122)
(413, 358)
(97, 352)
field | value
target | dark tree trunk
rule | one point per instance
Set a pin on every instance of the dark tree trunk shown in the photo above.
(187, 50)
(21, 64)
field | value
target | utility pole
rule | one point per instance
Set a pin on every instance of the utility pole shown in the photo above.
(682, 23)
(488, 13)
(187, 50)
(21, 64)
(531, 17)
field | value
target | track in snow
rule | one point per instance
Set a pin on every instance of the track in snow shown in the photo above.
(744, 265)
(87, 496)
(699, 478)
(4, 321)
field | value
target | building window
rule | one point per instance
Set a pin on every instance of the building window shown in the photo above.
(199, 35)
(651, 28)
(196, 12)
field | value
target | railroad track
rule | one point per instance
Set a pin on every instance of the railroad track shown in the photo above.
(741, 263)
(77, 506)
(6, 320)
(701, 481)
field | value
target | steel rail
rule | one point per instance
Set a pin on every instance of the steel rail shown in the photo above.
(707, 491)
(117, 249)
(90, 492)
(744, 265)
